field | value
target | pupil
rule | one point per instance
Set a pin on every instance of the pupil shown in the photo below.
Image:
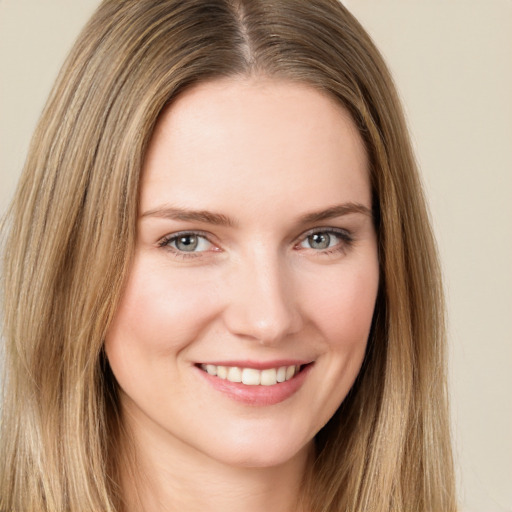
(187, 243)
(319, 240)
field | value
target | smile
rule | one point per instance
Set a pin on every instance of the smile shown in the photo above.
(256, 383)
(252, 376)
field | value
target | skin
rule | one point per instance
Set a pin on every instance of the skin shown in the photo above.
(263, 154)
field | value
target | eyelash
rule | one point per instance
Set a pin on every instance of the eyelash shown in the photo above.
(346, 241)
(167, 240)
(345, 237)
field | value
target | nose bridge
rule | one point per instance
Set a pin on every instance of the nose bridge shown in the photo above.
(262, 306)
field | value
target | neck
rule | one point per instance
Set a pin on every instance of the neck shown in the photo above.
(171, 476)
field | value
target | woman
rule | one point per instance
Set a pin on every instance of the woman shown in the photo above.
(221, 288)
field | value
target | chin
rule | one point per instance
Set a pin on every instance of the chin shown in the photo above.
(253, 452)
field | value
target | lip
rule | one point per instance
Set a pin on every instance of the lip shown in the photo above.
(259, 365)
(258, 395)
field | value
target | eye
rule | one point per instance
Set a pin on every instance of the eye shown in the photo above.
(327, 240)
(187, 243)
(320, 241)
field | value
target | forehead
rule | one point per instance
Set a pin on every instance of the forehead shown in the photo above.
(260, 139)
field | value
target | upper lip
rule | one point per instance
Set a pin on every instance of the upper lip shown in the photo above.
(259, 365)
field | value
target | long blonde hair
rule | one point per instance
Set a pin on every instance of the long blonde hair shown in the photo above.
(71, 231)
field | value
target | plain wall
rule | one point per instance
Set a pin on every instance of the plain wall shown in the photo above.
(452, 61)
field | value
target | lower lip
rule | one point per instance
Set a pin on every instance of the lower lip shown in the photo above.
(258, 395)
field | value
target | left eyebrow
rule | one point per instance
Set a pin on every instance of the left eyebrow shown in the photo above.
(336, 211)
(184, 214)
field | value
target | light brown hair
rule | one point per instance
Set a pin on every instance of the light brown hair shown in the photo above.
(71, 232)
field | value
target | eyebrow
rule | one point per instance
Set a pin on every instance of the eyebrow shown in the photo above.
(208, 217)
(171, 213)
(336, 211)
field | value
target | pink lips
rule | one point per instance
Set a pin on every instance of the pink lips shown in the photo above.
(261, 365)
(258, 395)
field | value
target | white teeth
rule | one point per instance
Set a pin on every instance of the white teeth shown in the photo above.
(290, 372)
(234, 374)
(211, 369)
(222, 372)
(251, 376)
(269, 377)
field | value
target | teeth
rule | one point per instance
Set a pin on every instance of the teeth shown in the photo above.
(269, 377)
(211, 369)
(251, 376)
(290, 372)
(222, 372)
(234, 374)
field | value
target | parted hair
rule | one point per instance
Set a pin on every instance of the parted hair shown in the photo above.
(70, 232)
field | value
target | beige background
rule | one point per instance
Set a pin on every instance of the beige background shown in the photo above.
(452, 60)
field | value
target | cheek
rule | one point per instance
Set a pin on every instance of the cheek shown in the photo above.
(160, 312)
(344, 317)
(343, 311)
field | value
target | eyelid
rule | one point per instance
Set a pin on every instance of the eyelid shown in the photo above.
(165, 241)
(345, 235)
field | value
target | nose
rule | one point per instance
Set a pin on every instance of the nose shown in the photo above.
(262, 306)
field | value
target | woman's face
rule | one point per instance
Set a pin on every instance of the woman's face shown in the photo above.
(256, 260)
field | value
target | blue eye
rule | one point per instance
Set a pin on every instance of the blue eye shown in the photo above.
(186, 243)
(322, 240)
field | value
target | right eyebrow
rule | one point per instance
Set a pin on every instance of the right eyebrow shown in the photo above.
(336, 211)
(183, 214)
